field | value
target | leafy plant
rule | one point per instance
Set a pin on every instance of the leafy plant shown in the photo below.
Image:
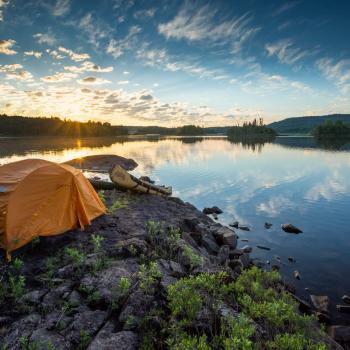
(17, 264)
(118, 203)
(164, 242)
(148, 276)
(102, 195)
(121, 291)
(76, 257)
(17, 285)
(194, 259)
(97, 241)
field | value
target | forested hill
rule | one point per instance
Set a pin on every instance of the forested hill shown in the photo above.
(25, 126)
(304, 125)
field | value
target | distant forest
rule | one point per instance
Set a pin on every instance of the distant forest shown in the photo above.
(25, 126)
(256, 128)
(39, 126)
(332, 129)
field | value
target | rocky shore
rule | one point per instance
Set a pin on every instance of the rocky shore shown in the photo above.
(153, 273)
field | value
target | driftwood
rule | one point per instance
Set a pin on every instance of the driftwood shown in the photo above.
(102, 163)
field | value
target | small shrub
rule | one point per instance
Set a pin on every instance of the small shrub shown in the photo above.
(148, 276)
(17, 285)
(187, 342)
(294, 342)
(17, 264)
(97, 242)
(118, 203)
(121, 291)
(102, 195)
(76, 257)
(165, 242)
(194, 259)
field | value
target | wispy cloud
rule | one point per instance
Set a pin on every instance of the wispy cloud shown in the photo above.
(77, 57)
(286, 52)
(287, 6)
(95, 29)
(6, 47)
(199, 24)
(144, 14)
(45, 38)
(93, 81)
(35, 54)
(159, 58)
(61, 8)
(116, 48)
(336, 71)
(123, 82)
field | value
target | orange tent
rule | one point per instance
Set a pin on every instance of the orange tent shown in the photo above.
(41, 198)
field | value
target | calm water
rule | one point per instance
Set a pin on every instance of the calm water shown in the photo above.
(291, 180)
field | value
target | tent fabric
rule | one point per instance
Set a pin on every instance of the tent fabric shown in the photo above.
(42, 198)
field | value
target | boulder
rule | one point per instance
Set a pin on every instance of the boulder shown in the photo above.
(137, 306)
(245, 260)
(44, 339)
(34, 297)
(235, 224)
(247, 249)
(267, 225)
(124, 340)
(223, 254)
(225, 236)
(212, 210)
(290, 228)
(320, 302)
(244, 228)
(346, 299)
(291, 259)
(297, 275)
(106, 282)
(209, 244)
(87, 321)
(263, 247)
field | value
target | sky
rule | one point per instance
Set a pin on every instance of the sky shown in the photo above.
(169, 63)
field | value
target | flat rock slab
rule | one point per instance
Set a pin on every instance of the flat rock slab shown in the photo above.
(103, 162)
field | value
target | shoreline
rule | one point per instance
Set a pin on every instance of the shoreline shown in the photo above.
(85, 281)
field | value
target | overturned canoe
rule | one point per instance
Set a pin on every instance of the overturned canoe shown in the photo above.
(123, 179)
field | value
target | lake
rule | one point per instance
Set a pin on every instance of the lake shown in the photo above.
(293, 179)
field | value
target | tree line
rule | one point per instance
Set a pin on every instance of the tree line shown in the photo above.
(255, 128)
(39, 126)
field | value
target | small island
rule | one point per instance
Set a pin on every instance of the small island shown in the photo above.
(252, 130)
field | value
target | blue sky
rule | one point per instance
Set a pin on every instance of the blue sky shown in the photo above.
(174, 62)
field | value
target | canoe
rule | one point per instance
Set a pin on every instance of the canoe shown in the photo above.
(123, 179)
